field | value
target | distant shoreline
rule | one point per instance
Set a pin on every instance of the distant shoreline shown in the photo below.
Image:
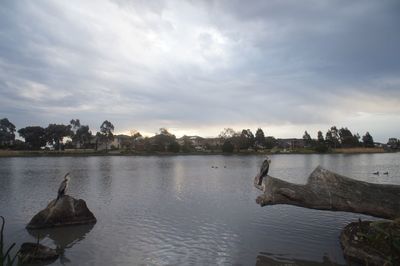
(84, 153)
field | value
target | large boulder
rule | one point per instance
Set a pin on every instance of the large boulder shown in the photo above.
(62, 212)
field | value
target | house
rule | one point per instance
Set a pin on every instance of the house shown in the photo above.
(291, 143)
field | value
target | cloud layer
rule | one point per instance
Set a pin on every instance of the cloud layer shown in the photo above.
(196, 67)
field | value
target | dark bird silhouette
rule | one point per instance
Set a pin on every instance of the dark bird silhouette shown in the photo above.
(63, 187)
(376, 173)
(264, 170)
(386, 173)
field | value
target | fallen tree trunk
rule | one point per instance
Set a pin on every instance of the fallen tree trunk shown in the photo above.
(326, 190)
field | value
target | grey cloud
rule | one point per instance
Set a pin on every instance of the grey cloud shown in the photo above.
(182, 64)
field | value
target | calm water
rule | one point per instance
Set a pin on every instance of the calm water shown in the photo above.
(179, 210)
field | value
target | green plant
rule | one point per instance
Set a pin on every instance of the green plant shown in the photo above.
(5, 258)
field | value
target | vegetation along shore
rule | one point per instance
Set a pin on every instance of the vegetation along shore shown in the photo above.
(76, 139)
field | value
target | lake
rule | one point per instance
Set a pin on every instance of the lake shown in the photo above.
(178, 210)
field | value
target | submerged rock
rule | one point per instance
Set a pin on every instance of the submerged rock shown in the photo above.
(372, 243)
(35, 252)
(62, 212)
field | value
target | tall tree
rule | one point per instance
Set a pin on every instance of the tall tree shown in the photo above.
(228, 147)
(246, 139)
(232, 136)
(320, 137)
(106, 132)
(227, 133)
(55, 133)
(307, 139)
(7, 132)
(75, 124)
(83, 135)
(335, 137)
(347, 139)
(35, 136)
(80, 133)
(163, 140)
(368, 141)
(321, 145)
(260, 138)
(329, 139)
(270, 142)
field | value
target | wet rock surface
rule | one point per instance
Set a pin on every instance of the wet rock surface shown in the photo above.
(35, 252)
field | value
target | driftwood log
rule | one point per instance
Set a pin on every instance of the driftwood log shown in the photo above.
(326, 190)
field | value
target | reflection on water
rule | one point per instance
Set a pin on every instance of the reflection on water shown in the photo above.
(178, 210)
(63, 238)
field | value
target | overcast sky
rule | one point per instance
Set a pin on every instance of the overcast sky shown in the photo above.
(196, 67)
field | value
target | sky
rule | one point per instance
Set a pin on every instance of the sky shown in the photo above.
(196, 67)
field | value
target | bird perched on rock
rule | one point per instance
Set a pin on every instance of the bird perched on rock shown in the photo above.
(63, 187)
(264, 170)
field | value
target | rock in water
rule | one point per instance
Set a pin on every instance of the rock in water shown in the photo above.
(62, 212)
(35, 252)
(371, 243)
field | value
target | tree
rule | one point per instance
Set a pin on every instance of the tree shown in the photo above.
(106, 132)
(329, 139)
(187, 144)
(335, 137)
(270, 142)
(227, 147)
(56, 133)
(260, 138)
(368, 141)
(246, 139)
(7, 132)
(320, 137)
(35, 136)
(347, 139)
(162, 141)
(174, 147)
(307, 139)
(332, 137)
(81, 134)
(75, 124)
(393, 143)
(227, 133)
(231, 135)
(320, 146)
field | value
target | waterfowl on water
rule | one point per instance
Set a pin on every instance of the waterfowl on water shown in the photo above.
(386, 173)
(376, 173)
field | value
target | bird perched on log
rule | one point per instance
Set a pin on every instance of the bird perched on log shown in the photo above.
(264, 170)
(63, 187)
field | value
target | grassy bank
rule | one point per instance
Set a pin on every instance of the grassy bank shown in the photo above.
(359, 150)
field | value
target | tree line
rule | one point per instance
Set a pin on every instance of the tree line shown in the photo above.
(229, 140)
(53, 135)
(337, 138)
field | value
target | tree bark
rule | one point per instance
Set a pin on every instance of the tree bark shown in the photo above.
(326, 190)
